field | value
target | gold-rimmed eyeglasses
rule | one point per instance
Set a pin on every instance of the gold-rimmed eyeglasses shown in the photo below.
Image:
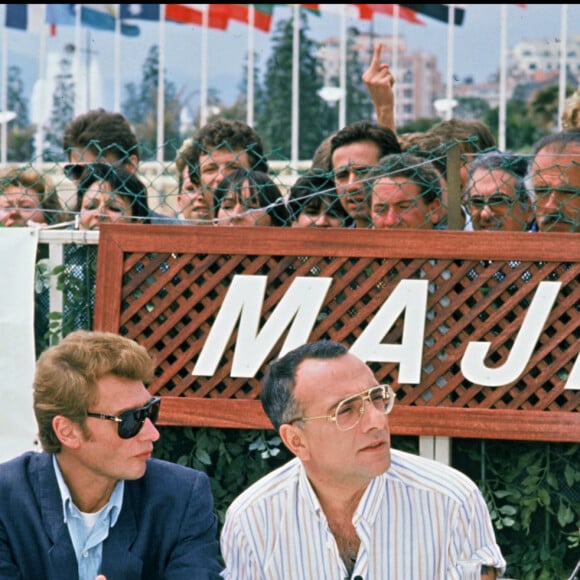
(349, 411)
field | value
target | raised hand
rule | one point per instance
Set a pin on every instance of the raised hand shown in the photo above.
(379, 81)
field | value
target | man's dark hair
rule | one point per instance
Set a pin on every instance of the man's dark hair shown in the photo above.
(226, 134)
(413, 168)
(384, 138)
(278, 386)
(101, 133)
(312, 189)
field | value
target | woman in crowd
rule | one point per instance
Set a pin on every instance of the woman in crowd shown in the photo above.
(108, 194)
(250, 198)
(27, 197)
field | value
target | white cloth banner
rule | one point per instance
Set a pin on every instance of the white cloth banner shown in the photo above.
(17, 357)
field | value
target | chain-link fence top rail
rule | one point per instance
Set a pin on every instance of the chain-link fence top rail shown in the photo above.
(215, 306)
(444, 187)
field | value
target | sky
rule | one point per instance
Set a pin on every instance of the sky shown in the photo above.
(476, 42)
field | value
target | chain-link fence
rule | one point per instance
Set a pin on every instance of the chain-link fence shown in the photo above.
(442, 188)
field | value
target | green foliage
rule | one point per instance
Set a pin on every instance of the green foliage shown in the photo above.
(20, 131)
(532, 493)
(233, 459)
(358, 104)
(274, 122)
(140, 107)
(63, 103)
(418, 125)
(471, 108)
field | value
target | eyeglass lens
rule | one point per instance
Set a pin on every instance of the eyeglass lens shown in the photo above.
(132, 421)
(350, 411)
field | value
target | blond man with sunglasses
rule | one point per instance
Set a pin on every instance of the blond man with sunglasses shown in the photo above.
(349, 506)
(94, 503)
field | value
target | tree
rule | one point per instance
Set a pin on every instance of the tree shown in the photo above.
(19, 131)
(471, 108)
(358, 103)
(544, 107)
(274, 122)
(520, 133)
(140, 107)
(63, 106)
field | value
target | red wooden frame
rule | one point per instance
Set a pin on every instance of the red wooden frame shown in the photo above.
(148, 288)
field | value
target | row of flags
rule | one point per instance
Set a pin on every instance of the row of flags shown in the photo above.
(31, 17)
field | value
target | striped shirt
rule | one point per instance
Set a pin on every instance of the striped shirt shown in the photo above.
(417, 521)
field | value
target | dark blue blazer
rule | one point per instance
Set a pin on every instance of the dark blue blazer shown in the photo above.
(166, 528)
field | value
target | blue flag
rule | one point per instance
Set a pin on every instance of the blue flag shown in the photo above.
(97, 16)
(140, 11)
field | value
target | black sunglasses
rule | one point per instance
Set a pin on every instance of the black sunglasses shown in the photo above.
(75, 171)
(130, 422)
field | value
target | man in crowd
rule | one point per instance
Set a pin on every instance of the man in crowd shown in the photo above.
(555, 173)
(354, 150)
(100, 136)
(496, 195)
(94, 502)
(349, 506)
(405, 193)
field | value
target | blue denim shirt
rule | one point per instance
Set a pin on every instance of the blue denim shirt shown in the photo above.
(88, 544)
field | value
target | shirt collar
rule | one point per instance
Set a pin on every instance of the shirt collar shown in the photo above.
(368, 507)
(112, 507)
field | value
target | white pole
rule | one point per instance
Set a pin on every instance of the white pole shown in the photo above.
(450, 50)
(117, 80)
(40, 128)
(395, 61)
(563, 62)
(203, 89)
(342, 101)
(250, 72)
(502, 77)
(4, 96)
(77, 59)
(161, 86)
(295, 89)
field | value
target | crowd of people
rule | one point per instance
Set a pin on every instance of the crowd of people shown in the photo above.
(95, 505)
(497, 190)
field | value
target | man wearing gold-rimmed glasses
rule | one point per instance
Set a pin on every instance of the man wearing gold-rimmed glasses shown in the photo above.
(348, 506)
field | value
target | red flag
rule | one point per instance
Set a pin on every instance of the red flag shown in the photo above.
(188, 14)
(360, 11)
(240, 12)
(404, 13)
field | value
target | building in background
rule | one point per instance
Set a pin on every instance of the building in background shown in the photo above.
(418, 81)
(529, 57)
(532, 65)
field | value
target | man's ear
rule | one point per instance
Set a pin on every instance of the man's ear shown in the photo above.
(131, 163)
(295, 440)
(68, 432)
(435, 211)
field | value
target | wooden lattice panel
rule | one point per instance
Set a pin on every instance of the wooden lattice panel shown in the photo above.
(164, 286)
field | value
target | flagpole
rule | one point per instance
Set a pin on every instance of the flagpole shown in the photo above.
(203, 89)
(342, 101)
(161, 85)
(295, 89)
(502, 77)
(450, 50)
(40, 128)
(77, 56)
(4, 125)
(563, 62)
(117, 101)
(395, 55)
(250, 72)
